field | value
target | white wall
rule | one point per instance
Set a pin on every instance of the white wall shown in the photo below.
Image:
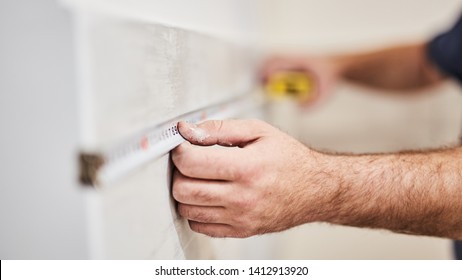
(41, 206)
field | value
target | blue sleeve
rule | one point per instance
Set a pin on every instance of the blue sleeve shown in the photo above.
(445, 51)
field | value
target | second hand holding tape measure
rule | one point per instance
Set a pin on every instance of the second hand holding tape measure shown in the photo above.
(295, 84)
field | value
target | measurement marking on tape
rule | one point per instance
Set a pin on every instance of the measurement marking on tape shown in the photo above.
(107, 165)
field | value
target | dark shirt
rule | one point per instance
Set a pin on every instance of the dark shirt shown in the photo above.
(445, 51)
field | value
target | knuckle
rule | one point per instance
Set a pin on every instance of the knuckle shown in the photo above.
(203, 216)
(234, 171)
(180, 157)
(196, 214)
(249, 172)
(226, 169)
(183, 210)
(177, 193)
(201, 195)
(177, 156)
(184, 166)
(240, 220)
(215, 125)
(196, 227)
(180, 149)
(243, 203)
(179, 190)
(235, 202)
(184, 190)
(199, 228)
(199, 216)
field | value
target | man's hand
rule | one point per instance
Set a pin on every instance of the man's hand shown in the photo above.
(255, 183)
(259, 180)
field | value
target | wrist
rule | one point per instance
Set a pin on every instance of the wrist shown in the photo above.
(323, 187)
(340, 64)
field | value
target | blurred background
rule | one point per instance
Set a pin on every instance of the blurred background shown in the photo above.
(43, 211)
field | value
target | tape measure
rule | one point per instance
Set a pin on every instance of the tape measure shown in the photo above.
(106, 165)
(296, 84)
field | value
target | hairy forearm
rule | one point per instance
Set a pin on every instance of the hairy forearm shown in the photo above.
(417, 193)
(403, 68)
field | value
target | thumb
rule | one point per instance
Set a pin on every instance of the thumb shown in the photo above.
(223, 132)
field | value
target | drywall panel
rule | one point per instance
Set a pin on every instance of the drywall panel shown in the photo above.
(134, 75)
(137, 75)
(230, 19)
